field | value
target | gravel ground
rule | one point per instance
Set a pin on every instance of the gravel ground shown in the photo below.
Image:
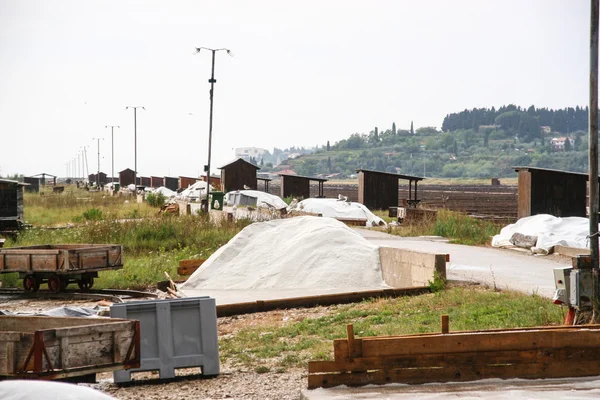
(234, 382)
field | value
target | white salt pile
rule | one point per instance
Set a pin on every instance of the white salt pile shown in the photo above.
(336, 208)
(295, 253)
(263, 199)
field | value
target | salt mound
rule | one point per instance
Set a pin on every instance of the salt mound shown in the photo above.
(336, 208)
(294, 253)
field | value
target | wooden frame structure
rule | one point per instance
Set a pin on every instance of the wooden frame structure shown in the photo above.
(378, 190)
(266, 181)
(299, 186)
(527, 353)
(549, 191)
(237, 174)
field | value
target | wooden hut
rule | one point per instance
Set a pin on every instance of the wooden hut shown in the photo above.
(549, 191)
(378, 190)
(238, 174)
(99, 179)
(157, 181)
(171, 183)
(33, 184)
(11, 204)
(126, 177)
(185, 182)
(146, 181)
(299, 186)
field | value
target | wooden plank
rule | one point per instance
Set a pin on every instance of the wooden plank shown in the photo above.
(456, 343)
(445, 324)
(457, 374)
(196, 262)
(93, 329)
(454, 359)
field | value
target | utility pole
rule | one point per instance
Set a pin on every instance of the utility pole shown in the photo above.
(212, 82)
(87, 169)
(112, 157)
(135, 141)
(98, 174)
(593, 155)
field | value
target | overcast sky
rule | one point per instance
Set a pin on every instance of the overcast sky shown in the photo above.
(302, 73)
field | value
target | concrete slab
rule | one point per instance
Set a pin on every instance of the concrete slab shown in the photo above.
(489, 389)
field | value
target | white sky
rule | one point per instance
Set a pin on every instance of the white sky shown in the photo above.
(302, 73)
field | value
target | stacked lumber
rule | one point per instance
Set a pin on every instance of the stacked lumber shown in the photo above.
(526, 353)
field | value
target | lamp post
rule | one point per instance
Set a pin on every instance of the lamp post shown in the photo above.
(112, 156)
(212, 82)
(98, 174)
(135, 141)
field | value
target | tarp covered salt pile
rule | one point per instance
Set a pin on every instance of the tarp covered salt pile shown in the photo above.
(336, 208)
(194, 192)
(263, 199)
(168, 193)
(310, 255)
(550, 231)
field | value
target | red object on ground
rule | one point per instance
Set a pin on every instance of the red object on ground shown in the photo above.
(570, 318)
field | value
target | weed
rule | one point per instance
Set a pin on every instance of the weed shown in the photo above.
(92, 214)
(156, 199)
(262, 369)
(438, 284)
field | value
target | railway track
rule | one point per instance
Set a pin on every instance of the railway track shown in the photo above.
(113, 295)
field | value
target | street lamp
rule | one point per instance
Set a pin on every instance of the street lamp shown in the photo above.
(212, 81)
(135, 142)
(112, 144)
(98, 174)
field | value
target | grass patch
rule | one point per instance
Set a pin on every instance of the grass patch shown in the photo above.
(293, 344)
(457, 227)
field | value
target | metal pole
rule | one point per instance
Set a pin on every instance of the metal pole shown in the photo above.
(112, 144)
(135, 142)
(135, 147)
(210, 123)
(87, 168)
(593, 153)
(98, 174)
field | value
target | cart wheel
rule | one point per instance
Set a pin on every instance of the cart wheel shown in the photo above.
(86, 282)
(54, 283)
(31, 283)
(64, 282)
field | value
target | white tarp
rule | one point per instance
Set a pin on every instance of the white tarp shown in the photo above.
(292, 253)
(47, 390)
(336, 208)
(263, 199)
(194, 192)
(550, 230)
(168, 193)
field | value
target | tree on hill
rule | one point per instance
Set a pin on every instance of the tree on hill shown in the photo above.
(393, 128)
(328, 147)
(412, 131)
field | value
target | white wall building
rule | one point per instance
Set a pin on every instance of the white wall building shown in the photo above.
(247, 152)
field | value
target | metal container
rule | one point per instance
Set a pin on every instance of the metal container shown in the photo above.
(178, 333)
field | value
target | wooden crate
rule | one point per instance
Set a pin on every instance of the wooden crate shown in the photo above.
(57, 347)
(61, 258)
(528, 353)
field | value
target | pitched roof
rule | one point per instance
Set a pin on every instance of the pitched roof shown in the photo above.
(237, 160)
(400, 176)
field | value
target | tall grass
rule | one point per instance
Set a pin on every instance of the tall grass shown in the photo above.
(151, 245)
(457, 227)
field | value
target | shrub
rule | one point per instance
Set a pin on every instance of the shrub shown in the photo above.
(156, 199)
(92, 214)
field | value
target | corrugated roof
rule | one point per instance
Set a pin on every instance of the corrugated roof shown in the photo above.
(400, 176)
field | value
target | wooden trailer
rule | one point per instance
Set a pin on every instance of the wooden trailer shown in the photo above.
(61, 264)
(64, 347)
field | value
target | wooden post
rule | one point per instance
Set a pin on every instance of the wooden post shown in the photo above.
(350, 330)
(445, 324)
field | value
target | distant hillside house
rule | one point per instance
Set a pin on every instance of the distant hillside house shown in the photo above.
(247, 152)
(558, 144)
(545, 130)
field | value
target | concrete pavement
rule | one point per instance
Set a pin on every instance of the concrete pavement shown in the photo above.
(504, 269)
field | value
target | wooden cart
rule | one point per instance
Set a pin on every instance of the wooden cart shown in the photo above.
(63, 347)
(61, 264)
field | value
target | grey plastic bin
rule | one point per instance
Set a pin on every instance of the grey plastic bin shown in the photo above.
(178, 333)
